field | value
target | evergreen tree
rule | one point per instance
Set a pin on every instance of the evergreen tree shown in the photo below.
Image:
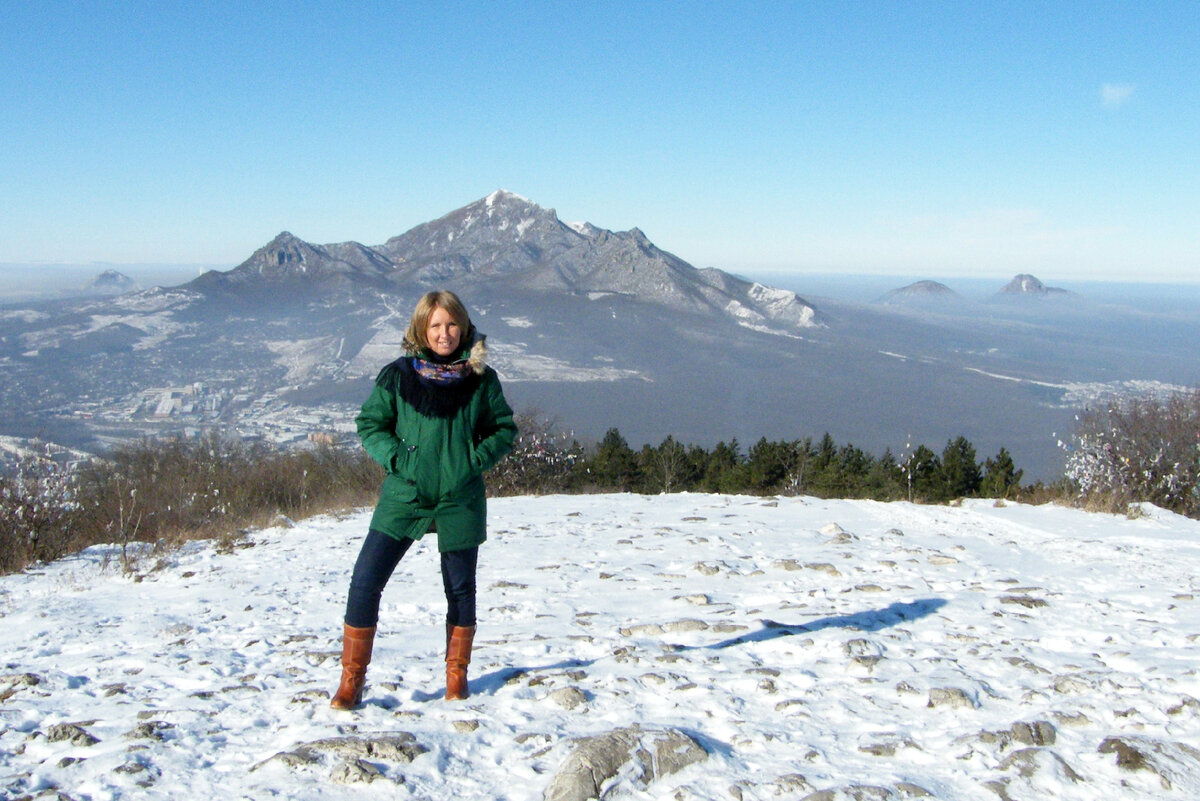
(1000, 477)
(722, 462)
(923, 472)
(853, 466)
(615, 464)
(960, 471)
(769, 464)
(885, 479)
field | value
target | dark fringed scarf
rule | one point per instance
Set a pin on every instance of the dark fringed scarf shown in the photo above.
(432, 388)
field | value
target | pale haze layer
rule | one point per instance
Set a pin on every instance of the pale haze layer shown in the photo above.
(933, 139)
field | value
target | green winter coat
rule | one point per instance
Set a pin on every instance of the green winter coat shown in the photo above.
(435, 458)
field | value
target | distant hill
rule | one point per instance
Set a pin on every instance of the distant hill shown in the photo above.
(1028, 286)
(923, 293)
(110, 282)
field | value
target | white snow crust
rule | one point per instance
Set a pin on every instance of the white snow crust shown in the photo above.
(1077, 394)
(514, 363)
(805, 644)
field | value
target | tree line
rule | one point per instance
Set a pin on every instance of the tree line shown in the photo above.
(149, 495)
(545, 461)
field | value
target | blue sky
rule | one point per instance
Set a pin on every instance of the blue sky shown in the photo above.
(927, 139)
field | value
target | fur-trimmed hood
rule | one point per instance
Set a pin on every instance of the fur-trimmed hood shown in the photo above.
(473, 353)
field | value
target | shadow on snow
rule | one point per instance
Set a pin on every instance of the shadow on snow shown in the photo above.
(872, 620)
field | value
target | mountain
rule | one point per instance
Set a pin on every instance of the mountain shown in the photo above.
(110, 282)
(509, 240)
(1027, 286)
(923, 293)
(719, 647)
(287, 258)
(591, 328)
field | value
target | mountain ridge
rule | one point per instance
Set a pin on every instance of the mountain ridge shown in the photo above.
(506, 237)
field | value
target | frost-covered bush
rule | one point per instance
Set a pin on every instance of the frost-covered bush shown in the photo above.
(1139, 449)
(37, 504)
(542, 460)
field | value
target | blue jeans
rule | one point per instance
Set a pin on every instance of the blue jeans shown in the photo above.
(378, 558)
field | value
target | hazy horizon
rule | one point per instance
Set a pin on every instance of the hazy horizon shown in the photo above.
(33, 281)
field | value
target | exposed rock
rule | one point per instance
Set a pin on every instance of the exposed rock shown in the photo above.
(689, 624)
(705, 569)
(290, 759)
(149, 730)
(1029, 762)
(399, 747)
(355, 771)
(596, 760)
(1023, 600)
(1188, 703)
(1039, 732)
(1024, 664)
(1072, 719)
(1171, 762)
(176, 630)
(1069, 685)
(21, 679)
(951, 697)
(862, 647)
(868, 792)
(791, 784)
(73, 733)
(568, 697)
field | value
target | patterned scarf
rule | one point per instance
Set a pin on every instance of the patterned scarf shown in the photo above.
(441, 374)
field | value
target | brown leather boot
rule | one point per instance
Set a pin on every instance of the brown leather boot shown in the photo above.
(356, 655)
(458, 656)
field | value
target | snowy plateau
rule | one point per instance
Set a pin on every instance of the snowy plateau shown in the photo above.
(665, 647)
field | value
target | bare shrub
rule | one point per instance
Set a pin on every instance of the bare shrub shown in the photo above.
(174, 490)
(1139, 449)
(542, 461)
(37, 506)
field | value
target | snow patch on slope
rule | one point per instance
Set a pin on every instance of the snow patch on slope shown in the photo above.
(514, 363)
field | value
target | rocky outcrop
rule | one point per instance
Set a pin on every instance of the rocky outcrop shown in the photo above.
(632, 755)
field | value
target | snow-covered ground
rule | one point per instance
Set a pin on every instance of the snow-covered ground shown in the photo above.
(810, 648)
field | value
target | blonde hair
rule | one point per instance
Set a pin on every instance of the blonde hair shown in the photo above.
(414, 337)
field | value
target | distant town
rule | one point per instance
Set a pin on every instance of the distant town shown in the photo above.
(188, 411)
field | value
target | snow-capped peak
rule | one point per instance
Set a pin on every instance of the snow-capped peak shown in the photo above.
(500, 195)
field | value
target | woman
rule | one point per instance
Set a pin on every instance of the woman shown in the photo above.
(436, 420)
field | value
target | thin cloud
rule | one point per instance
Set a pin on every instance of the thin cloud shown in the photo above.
(1115, 95)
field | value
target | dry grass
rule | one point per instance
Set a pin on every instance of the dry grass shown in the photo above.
(168, 492)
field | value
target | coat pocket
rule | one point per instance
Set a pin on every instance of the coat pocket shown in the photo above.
(398, 489)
